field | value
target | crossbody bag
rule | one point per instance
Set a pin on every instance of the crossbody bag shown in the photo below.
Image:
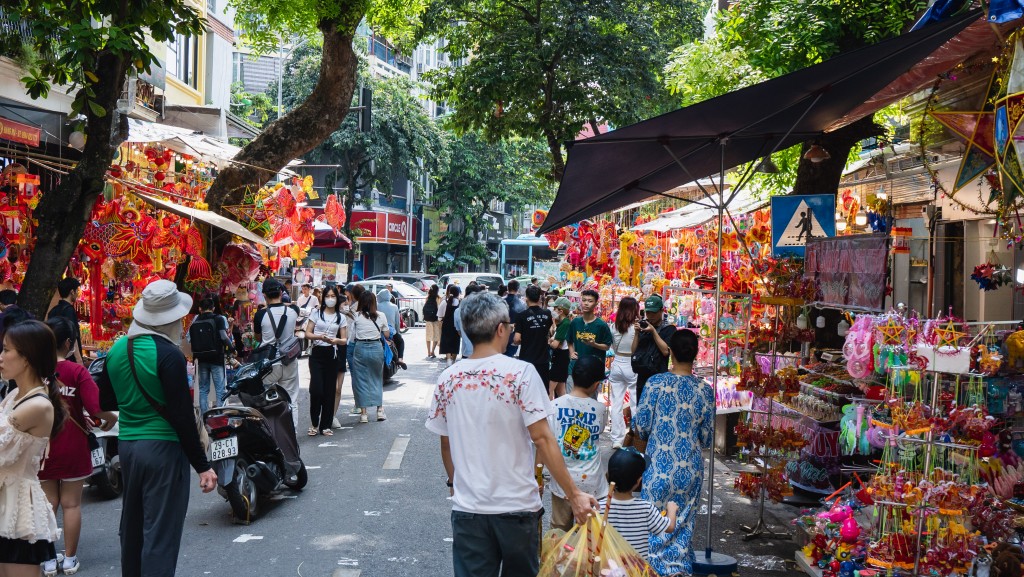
(161, 410)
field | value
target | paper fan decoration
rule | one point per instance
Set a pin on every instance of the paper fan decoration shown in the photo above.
(193, 242)
(334, 212)
(198, 269)
(285, 202)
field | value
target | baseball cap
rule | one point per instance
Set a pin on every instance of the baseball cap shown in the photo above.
(654, 304)
(272, 284)
(563, 303)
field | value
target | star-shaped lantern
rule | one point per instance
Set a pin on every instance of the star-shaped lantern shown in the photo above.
(892, 331)
(948, 336)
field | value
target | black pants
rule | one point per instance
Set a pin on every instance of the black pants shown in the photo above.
(506, 544)
(156, 485)
(399, 344)
(323, 381)
(641, 380)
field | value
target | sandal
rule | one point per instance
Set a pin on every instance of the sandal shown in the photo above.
(313, 431)
(327, 433)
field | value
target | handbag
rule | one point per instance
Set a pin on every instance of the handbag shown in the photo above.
(390, 354)
(204, 437)
(90, 437)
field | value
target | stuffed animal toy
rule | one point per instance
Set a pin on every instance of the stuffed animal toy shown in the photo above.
(1006, 560)
(1015, 349)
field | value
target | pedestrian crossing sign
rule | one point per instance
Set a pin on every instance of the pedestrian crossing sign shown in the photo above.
(797, 219)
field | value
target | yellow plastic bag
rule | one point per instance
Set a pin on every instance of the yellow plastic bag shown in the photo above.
(593, 549)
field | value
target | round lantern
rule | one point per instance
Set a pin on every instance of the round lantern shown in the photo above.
(159, 176)
(115, 171)
(77, 140)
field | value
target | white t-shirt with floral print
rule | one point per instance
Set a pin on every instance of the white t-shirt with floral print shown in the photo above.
(484, 407)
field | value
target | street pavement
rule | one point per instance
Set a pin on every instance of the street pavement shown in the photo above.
(376, 504)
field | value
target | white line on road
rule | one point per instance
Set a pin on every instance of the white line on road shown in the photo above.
(397, 453)
(328, 445)
(245, 538)
(310, 467)
(346, 573)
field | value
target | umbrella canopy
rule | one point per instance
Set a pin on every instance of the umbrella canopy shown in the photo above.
(324, 236)
(693, 215)
(633, 163)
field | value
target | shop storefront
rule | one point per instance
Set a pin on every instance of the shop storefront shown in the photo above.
(385, 242)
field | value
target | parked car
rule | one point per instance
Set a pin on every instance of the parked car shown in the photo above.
(421, 281)
(410, 297)
(489, 280)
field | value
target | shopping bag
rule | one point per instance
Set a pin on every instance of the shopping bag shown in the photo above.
(592, 549)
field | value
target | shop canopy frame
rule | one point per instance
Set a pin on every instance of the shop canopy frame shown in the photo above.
(205, 216)
(647, 159)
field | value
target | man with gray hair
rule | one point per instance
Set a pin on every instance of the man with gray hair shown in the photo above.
(488, 409)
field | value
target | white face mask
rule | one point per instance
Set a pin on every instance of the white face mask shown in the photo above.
(330, 302)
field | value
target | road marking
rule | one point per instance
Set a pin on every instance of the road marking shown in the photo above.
(246, 537)
(311, 467)
(346, 572)
(328, 445)
(281, 498)
(448, 540)
(371, 513)
(348, 562)
(397, 453)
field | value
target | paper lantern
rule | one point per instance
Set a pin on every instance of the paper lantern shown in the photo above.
(199, 269)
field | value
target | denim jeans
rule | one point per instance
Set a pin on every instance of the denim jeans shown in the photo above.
(505, 545)
(206, 371)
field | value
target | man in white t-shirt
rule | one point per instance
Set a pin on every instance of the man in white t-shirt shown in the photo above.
(489, 409)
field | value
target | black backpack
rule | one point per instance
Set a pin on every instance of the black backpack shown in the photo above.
(204, 336)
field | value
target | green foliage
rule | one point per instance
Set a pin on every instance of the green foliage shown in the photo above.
(65, 41)
(703, 70)
(781, 36)
(264, 23)
(257, 109)
(546, 68)
(403, 141)
(513, 171)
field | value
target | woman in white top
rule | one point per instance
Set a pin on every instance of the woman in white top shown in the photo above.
(29, 416)
(326, 330)
(622, 378)
(366, 360)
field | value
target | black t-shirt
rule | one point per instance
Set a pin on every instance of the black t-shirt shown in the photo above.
(646, 343)
(533, 324)
(65, 309)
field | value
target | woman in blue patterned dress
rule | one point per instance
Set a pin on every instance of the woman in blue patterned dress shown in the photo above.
(676, 416)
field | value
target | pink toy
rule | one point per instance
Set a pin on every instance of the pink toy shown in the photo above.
(850, 530)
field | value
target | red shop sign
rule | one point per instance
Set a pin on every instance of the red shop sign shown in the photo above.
(384, 227)
(18, 132)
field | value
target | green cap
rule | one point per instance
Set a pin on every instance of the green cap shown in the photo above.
(653, 304)
(563, 303)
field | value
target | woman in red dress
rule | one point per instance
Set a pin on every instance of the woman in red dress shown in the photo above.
(69, 463)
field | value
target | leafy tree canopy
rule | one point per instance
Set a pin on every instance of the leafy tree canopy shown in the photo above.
(264, 23)
(544, 69)
(513, 171)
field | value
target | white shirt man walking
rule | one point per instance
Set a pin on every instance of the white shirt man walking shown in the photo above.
(489, 409)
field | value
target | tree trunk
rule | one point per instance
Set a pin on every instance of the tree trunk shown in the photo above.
(302, 128)
(557, 160)
(823, 177)
(64, 211)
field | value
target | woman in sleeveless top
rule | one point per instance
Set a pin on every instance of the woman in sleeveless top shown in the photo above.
(29, 416)
(366, 361)
(622, 378)
(326, 330)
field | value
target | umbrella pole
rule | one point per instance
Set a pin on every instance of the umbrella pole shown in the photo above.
(715, 563)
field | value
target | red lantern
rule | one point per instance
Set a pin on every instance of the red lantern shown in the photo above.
(130, 166)
(150, 153)
(168, 155)
(115, 171)
(159, 176)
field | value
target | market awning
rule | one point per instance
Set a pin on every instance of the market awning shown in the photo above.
(324, 236)
(636, 162)
(210, 218)
(693, 215)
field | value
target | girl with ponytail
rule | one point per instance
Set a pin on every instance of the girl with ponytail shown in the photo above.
(68, 463)
(28, 418)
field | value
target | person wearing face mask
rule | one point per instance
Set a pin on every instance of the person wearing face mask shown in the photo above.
(559, 348)
(326, 330)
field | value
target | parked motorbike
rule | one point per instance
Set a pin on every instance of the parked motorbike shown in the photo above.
(106, 464)
(406, 320)
(253, 447)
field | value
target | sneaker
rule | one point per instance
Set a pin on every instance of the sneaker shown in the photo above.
(50, 568)
(364, 418)
(381, 416)
(71, 565)
(335, 424)
(355, 411)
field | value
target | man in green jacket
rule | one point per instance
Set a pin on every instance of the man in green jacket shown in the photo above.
(145, 378)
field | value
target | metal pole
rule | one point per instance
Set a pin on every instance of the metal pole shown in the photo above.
(280, 82)
(714, 343)
(408, 235)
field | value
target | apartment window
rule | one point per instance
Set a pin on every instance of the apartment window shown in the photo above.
(211, 6)
(238, 67)
(497, 206)
(183, 59)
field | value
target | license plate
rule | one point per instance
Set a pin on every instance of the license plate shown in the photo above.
(97, 457)
(224, 448)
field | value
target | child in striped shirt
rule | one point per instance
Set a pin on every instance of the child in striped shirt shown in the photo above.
(636, 520)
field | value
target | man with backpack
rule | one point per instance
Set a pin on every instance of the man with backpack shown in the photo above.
(208, 336)
(275, 328)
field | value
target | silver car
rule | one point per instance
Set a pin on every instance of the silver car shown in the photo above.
(410, 297)
(490, 281)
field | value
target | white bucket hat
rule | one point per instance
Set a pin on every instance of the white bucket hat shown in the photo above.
(161, 304)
